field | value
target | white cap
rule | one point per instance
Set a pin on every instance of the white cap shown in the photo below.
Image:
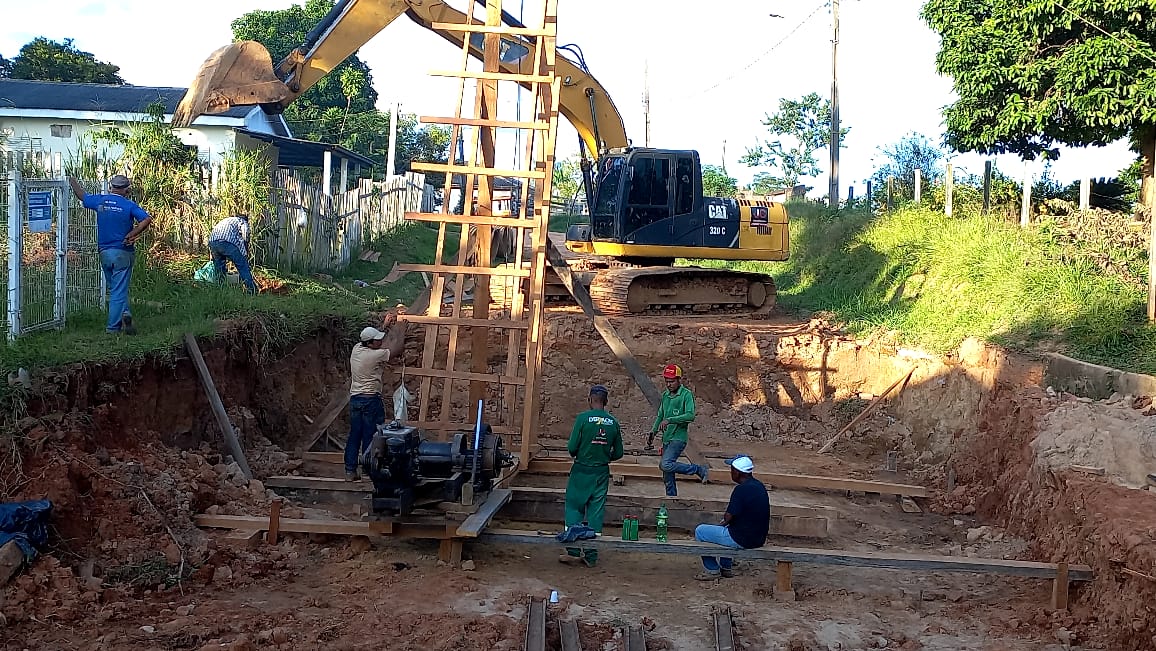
(371, 333)
(743, 464)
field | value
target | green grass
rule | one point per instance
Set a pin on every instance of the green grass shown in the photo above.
(559, 221)
(166, 303)
(937, 280)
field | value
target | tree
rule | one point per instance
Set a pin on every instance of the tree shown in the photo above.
(717, 183)
(567, 181)
(340, 107)
(807, 122)
(913, 152)
(43, 59)
(1034, 73)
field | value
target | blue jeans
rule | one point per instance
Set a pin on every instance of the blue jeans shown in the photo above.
(670, 465)
(719, 535)
(117, 266)
(222, 251)
(366, 412)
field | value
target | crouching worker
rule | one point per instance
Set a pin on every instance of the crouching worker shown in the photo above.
(744, 525)
(595, 441)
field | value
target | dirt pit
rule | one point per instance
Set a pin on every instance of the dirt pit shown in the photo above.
(129, 455)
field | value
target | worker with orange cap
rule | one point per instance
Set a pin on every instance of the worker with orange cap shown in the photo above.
(674, 415)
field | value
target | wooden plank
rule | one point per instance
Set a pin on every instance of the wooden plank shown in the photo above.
(479, 220)
(724, 637)
(486, 323)
(493, 29)
(1088, 470)
(635, 638)
(218, 407)
(568, 632)
(484, 122)
(536, 625)
(462, 269)
(844, 558)
(274, 521)
(319, 483)
(465, 375)
(433, 530)
(1060, 587)
(244, 539)
(418, 166)
(478, 521)
(772, 479)
(492, 76)
(865, 413)
(784, 588)
(648, 501)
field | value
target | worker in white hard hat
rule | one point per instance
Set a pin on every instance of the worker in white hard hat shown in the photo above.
(366, 408)
(744, 525)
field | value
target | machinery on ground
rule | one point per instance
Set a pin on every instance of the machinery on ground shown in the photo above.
(410, 472)
(646, 205)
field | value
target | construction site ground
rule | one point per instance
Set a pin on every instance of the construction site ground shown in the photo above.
(129, 454)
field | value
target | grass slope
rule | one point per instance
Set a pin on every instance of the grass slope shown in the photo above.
(937, 280)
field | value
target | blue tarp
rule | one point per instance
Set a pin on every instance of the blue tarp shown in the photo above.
(26, 523)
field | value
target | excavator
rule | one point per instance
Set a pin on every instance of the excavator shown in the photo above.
(646, 206)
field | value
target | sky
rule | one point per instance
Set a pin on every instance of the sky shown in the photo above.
(712, 75)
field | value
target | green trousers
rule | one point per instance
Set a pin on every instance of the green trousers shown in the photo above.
(586, 502)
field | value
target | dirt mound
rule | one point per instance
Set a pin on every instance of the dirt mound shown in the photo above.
(1111, 435)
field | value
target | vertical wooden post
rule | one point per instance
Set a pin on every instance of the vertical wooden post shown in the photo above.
(948, 190)
(870, 198)
(1060, 587)
(986, 187)
(784, 590)
(1085, 194)
(327, 174)
(344, 174)
(450, 551)
(890, 193)
(918, 186)
(1026, 203)
(274, 521)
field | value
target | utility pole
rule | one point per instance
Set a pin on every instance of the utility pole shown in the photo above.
(646, 99)
(390, 167)
(724, 168)
(833, 192)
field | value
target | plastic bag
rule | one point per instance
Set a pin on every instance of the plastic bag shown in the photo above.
(26, 523)
(207, 273)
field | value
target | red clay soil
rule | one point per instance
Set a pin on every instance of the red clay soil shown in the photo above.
(1066, 516)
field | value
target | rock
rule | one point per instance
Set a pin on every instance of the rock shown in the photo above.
(468, 566)
(1137, 625)
(1063, 636)
(977, 533)
(222, 574)
(213, 509)
(148, 629)
(185, 611)
(280, 636)
(359, 544)
(256, 487)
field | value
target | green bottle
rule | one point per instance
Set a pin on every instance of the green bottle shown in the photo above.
(634, 527)
(626, 528)
(661, 524)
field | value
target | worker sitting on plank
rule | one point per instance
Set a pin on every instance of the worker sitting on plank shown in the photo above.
(595, 441)
(674, 415)
(366, 409)
(745, 523)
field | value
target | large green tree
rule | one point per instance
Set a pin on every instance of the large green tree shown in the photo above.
(806, 122)
(900, 160)
(717, 183)
(340, 107)
(1033, 74)
(43, 59)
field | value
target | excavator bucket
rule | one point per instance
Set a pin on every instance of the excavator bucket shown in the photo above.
(239, 74)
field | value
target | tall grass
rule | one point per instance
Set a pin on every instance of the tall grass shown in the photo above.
(937, 280)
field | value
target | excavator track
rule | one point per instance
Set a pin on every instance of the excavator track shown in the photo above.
(641, 291)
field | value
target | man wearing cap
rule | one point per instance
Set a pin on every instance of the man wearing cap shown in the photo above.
(229, 241)
(595, 441)
(366, 408)
(744, 525)
(119, 222)
(674, 415)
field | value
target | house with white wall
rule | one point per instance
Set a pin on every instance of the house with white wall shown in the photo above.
(47, 116)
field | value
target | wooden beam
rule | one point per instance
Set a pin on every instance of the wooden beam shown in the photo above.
(337, 402)
(724, 637)
(319, 483)
(492, 76)
(274, 521)
(634, 638)
(845, 558)
(480, 220)
(1060, 587)
(462, 269)
(484, 122)
(568, 632)
(492, 29)
(218, 408)
(464, 375)
(434, 530)
(784, 589)
(536, 625)
(474, 169)
(480, 519)
(450, 551)
(773, 479)
(448, 321)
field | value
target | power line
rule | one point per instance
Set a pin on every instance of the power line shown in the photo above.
(1105, 32)
(762, 56)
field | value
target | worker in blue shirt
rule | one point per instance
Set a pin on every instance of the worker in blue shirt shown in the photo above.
(119, 223)
(230, 241)
(745, 524)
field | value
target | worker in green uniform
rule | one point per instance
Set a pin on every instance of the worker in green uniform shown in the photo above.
(595, 441)
(674, 415)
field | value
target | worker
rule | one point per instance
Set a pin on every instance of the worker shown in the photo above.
(366, 407)
(595, 441)
(674, 415)
(229, 241)
(744, 525)
(119, 223)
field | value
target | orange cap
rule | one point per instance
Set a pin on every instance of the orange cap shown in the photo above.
(672, 371)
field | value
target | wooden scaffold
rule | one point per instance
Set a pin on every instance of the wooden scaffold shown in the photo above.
(510, 375)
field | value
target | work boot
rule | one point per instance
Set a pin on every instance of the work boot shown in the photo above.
(126, 325)
(352, 476)
(703, 474)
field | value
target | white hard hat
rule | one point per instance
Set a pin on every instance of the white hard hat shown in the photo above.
(371, 333)
(743, 464)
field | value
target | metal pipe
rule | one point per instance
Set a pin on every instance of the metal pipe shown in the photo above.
(477, 442)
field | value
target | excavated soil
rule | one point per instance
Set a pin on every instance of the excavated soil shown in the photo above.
(129, 453)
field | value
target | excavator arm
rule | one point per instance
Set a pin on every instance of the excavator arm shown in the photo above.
(243, 73)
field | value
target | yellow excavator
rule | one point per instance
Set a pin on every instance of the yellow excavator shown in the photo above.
(646, 206)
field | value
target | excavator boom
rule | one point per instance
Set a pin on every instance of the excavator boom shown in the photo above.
(243, 74)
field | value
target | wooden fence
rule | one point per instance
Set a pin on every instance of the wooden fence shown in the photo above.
(308, 231)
